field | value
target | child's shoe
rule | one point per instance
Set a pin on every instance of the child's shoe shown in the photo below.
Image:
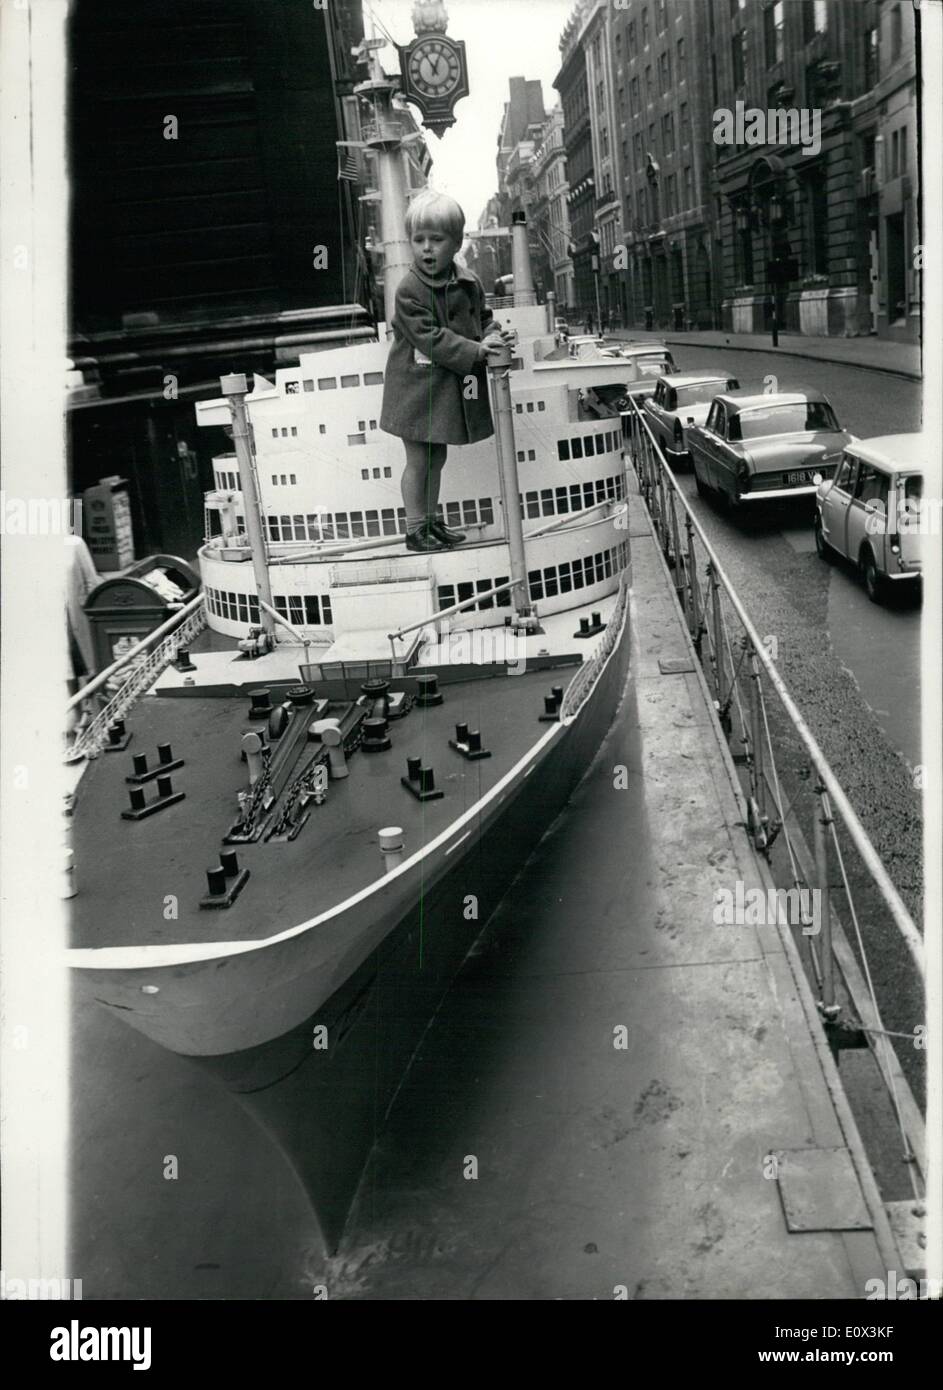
(423, 539)
(443, 533)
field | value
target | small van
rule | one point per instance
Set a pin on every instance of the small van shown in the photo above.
(872, 512)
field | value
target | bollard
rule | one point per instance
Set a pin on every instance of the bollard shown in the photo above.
(252, 747)
(333, 740)
(392, 847)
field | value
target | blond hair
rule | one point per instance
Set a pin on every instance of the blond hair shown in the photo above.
(438, 212)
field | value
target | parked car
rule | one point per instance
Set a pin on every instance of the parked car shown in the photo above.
(760, 448)
(871, 511)
(680, 401)
(583, 344)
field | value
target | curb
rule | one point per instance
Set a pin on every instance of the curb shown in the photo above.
(905, 374)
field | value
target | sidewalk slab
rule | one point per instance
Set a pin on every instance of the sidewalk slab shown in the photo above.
(875, 354)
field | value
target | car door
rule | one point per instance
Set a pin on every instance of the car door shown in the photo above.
(867, 515)
(837, 502)
(703, 441)
(721, 473)
(653, 407)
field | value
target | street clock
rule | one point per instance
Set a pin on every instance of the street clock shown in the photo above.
(435, 77)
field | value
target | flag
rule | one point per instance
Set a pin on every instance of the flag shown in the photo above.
(348, 163)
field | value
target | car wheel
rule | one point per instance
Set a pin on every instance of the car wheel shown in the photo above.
(873, 579)
(825, 551)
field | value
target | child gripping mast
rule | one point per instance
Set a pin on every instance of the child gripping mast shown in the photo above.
(435, 391)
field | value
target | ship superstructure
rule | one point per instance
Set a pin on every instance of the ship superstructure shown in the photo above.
(332, 518)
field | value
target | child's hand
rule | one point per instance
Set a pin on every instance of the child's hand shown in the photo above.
(490, 347)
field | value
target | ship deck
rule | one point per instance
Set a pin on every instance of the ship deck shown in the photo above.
(128, 869)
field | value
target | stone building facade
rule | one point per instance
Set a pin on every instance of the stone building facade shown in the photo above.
(787, 204)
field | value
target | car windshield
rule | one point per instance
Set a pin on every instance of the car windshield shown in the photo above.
(651, 365)
(702, 391)
(782, 419)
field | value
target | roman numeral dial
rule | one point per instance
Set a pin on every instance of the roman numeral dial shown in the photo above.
(434, 68)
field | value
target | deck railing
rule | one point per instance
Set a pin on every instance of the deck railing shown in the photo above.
(133, 673)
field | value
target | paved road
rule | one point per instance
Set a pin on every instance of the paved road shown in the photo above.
(853, 667)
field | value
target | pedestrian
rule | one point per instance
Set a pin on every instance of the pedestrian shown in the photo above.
(589, 322)
(435, 390)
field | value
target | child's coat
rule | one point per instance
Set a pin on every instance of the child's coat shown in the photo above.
(444, 401)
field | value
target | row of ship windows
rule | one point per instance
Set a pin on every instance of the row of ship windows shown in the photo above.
(329, 383)
(562, 578)
(390, 521)
(576, 574)
(528, 406)
(360, 437)
(386, 521)
(581, 446)
(573, 498)
(307, 610)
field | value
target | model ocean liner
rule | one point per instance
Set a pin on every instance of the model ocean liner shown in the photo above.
(337, 758)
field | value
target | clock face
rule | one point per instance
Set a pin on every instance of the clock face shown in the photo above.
(434, 69)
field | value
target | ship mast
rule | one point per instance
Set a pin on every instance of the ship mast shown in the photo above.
(385, 139)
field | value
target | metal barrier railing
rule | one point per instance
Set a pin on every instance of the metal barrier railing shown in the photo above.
(704, 602)
(747, 689)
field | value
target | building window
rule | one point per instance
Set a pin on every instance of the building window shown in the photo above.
(680, 71)
(661, 18)
(292, 479)
(356, 439)
(387, 472)
(668, 132)
(664, 73)
(327, 383)
(630, 38)
(649, 86)
(814, 19)
(308, 384)
(773, 33)
(373, 378)
(294, 429)
(738, 53)
(634, 99)
(816, 218)
(645, 31)
(322, 429)
(353, 380)
(275, 434)
(896, 33)
(689, 200)
(872, 65)
(637, 143)
(671, 196)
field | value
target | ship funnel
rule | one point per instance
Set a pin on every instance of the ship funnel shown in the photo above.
(520, 262)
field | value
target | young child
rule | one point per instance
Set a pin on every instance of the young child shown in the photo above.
(435, 391)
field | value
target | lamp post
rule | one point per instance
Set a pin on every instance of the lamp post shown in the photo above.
(774, 215)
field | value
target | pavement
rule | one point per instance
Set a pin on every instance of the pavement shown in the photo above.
(877, 354)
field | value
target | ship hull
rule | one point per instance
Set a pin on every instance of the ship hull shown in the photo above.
(323, 1088)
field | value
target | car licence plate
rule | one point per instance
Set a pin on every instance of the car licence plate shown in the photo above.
(801, 476)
